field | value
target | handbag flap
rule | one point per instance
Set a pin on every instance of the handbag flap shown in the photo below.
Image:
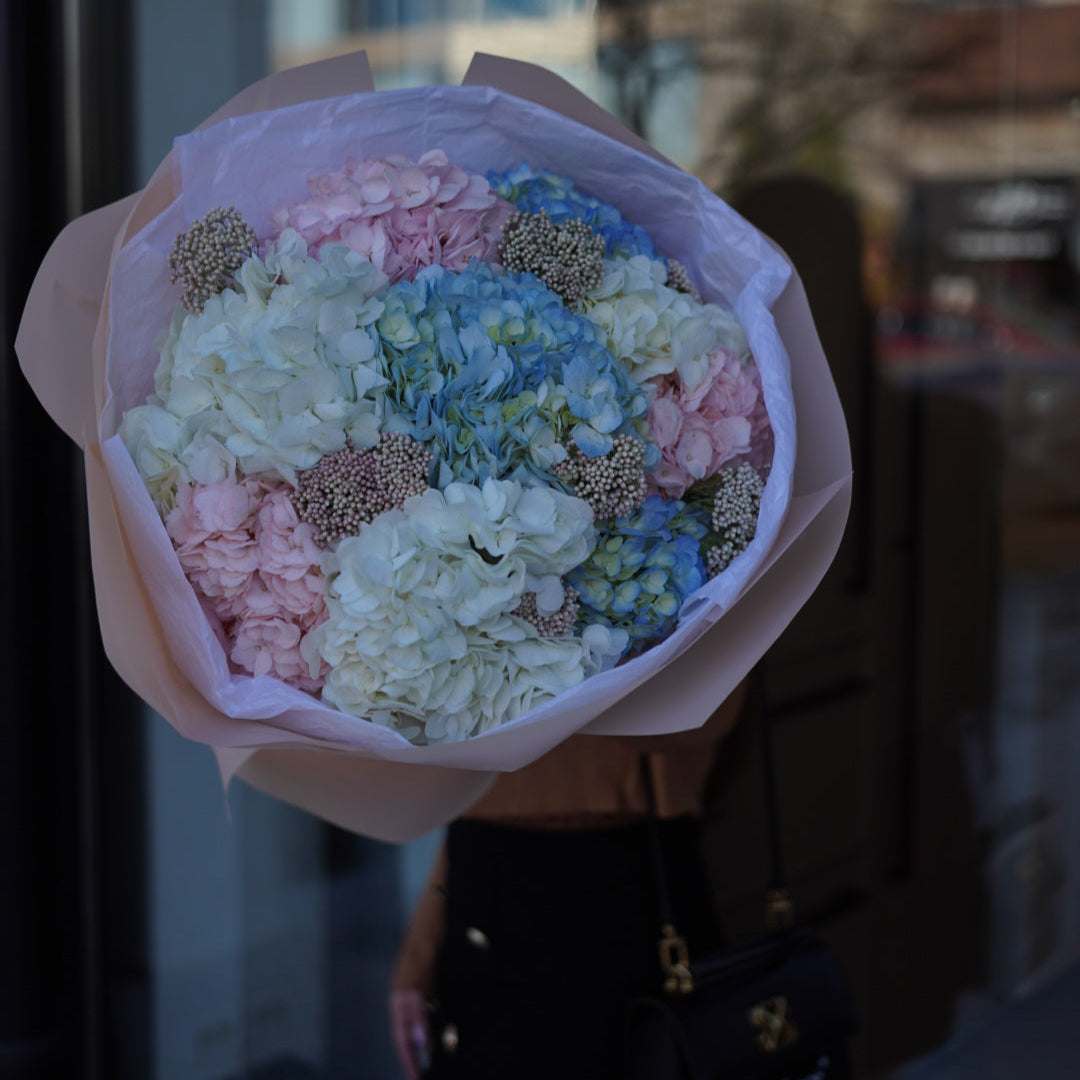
(776, 1008)
(770, 1012)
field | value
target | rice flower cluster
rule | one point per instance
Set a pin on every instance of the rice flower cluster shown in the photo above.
(440, 446)
(568, 259)
(204, 258)
(351, 488)
(735, 508)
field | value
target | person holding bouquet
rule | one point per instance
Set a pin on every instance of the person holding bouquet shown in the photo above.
(540, 917)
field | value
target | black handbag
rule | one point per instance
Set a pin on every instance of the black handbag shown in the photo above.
(773, 1008)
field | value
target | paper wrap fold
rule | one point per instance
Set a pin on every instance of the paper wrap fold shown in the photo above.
(86, 370)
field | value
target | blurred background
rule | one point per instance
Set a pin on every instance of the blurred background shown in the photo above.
(920, 163)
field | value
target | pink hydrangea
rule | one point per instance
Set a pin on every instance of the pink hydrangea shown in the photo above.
(402, 215)
(211, 527)
(699, 431)
(286, 544)
(270, 645)
(255, 568)
(289, 560)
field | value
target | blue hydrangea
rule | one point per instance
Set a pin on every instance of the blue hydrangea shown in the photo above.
(495, 376)
(643, 567)
(532, 190)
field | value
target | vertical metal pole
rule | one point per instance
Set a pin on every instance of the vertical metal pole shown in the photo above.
(52, 688)
(40, 955)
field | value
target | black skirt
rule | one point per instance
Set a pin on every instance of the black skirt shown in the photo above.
(549, 934)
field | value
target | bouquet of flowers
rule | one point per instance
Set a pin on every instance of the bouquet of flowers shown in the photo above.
(432, 449)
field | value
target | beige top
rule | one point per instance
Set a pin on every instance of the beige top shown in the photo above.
(589, 780)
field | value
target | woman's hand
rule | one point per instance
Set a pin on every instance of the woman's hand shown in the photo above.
(413, 980)
(410, 1031)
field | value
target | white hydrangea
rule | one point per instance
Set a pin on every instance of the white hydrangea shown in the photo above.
(152, 437)
(420, 635)
(274, 375)
(653, 328)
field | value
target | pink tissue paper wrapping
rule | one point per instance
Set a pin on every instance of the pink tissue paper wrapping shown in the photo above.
(356, 774)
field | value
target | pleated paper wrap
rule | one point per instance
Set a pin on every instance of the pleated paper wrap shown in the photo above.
(86, 347)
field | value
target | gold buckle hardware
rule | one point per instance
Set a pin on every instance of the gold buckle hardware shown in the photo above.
(675, 962)
(779, 912)
(769, 1019)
